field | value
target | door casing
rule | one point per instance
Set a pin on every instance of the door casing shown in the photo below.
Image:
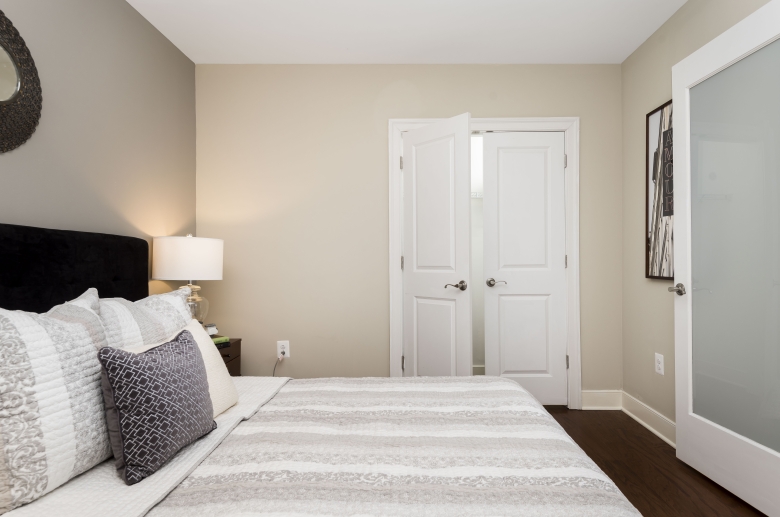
(570, 126)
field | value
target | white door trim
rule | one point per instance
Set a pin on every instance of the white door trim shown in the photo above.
(739, 464)
(571, 127)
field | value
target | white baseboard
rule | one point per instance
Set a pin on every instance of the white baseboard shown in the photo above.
(658, 424)
(602, 399)
(654, 421)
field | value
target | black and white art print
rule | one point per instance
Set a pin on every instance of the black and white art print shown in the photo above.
(659, 253)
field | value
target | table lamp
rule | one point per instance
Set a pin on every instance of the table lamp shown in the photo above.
(188, 258)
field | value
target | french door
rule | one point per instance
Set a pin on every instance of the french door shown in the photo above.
(437, 237)
(525, 261)
(727, 259)
(531, 298)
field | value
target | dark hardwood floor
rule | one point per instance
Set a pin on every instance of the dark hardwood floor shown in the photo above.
(645, 468)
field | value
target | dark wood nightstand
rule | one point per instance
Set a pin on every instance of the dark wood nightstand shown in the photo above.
(231, 354)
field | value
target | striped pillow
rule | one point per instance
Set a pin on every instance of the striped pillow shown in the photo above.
(150, 321)
(52, 423)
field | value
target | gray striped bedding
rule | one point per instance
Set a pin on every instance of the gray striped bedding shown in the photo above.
(474, 446)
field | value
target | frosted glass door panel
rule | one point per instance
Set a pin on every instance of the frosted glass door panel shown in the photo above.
(735, 245)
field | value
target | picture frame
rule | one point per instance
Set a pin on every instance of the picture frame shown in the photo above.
(659, 194)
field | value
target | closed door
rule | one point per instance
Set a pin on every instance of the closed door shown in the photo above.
(525, 261)
(437, 304)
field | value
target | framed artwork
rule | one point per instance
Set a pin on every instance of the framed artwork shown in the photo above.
(659, 218)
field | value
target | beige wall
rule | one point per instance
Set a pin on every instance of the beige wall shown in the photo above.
(648, 317)
(115, 148)
(293, 174)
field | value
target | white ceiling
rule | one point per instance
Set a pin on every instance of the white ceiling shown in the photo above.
(407, 31)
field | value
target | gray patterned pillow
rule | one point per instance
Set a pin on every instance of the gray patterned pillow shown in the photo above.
(157, 402)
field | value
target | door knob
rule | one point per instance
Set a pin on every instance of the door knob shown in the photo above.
(679, 289)
(462, 285)
(491, 282)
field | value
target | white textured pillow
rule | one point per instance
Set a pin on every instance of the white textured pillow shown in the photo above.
(221, 388)
(151, 321)
(52, 423)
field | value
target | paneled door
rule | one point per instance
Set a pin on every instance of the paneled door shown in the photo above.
(437, 210)
(525, 261)
(727, 259)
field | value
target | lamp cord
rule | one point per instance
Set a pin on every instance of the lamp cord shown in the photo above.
(278, 360)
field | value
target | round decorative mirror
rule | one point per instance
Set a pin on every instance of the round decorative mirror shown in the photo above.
(10, 80)
(20, 89)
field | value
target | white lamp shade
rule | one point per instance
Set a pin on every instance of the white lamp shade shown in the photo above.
(187, 258)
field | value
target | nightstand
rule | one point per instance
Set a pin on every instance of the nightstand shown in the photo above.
(231, 354)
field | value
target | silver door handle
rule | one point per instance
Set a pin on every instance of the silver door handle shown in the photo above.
(462, 285)
(491, 282)
(679, 289)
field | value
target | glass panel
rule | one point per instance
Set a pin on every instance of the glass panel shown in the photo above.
(477, 276)
(735, 244)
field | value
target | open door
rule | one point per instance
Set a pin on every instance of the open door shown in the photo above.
(437, 246)
(726, 192)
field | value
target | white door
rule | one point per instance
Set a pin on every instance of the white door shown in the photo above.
(437, 231)
(524, 268)
(726, 190)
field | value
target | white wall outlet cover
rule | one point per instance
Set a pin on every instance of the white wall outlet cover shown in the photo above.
(283, 346)
(659, 364)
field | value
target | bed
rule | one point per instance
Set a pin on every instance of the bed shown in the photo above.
(376, 446)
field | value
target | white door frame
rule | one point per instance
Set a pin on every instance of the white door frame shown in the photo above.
(700, 443)
(571, 127)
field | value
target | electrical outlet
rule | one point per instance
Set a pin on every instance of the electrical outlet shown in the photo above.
(659, 364)
(283, 346)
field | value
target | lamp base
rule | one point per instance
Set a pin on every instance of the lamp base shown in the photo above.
(199, 306)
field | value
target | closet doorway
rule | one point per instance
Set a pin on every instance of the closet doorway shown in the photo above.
(488, 208)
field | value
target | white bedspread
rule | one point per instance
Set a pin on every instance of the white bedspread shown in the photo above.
(100, 492)
(428, 447)
(410, 447)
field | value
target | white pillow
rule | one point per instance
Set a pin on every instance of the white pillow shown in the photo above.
(52, 422)
(145, 322)
(221, 388)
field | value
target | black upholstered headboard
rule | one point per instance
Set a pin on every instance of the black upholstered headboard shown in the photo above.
(41, 268)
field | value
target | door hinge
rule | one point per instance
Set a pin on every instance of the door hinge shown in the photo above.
(402, 262)
(402, 363)
(565, 261)
(565, 161)
(402, 163)
(567, 361)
